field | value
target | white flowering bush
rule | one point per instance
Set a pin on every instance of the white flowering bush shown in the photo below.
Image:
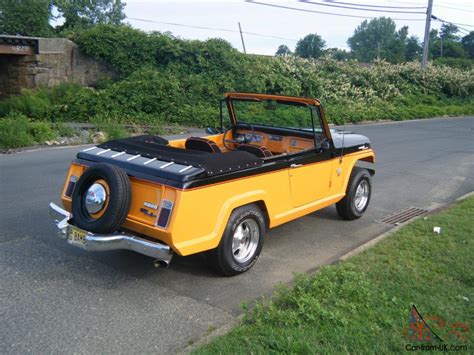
(329, 79)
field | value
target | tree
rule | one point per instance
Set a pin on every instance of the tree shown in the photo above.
(445, 43)
(311, 46)
(447, 49)
(338, 54)
(413, 49)
(468, 44)
(379, 39)
(84, 13)
(25, 17)
(283, 51)
(449, 32)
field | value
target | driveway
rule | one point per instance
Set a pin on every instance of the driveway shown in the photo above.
(55, 298)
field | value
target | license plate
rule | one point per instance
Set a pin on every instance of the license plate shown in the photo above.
(77, 237)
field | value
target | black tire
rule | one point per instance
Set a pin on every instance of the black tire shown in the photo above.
(346, 208)
(119, 199)
(222, 258)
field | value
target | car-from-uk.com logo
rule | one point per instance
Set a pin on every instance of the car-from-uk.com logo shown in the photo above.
(433, 333)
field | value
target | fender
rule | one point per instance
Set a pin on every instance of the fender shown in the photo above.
(212, 240)
(352, 159)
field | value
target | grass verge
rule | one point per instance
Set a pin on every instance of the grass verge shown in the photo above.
(363, 305)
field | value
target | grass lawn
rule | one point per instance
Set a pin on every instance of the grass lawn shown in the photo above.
(363, 305)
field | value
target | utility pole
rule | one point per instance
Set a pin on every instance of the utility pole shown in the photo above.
(441, 38)
(429, 10)
(242, 38)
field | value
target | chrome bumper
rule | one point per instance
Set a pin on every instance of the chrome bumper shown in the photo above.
(102, 242)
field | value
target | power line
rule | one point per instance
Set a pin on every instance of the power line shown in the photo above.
(212, 29)
(323, 12)
(378, 6)
(453, 8)
(438, 4)
(183, 25)
(462, 24)
(444, 21)
(358, 9)
(421, 2)
(460, 6)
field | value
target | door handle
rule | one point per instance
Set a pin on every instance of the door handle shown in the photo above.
(295, 165)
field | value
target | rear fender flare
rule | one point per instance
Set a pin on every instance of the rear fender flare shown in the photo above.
(237, 201)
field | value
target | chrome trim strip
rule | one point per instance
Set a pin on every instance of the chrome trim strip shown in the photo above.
(118, 154)
(104, 242)
(166, 165)
(134, 157)
(104, 151)
(89, 149)
(149, 161)
(184, 169)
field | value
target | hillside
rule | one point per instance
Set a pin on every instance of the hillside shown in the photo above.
(170, 80)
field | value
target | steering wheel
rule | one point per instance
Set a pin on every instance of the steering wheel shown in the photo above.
(239, 140)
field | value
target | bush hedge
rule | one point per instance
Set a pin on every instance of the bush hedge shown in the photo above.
(166, 79)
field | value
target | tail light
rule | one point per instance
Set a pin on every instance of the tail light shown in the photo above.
(70, 185)
(165, 213)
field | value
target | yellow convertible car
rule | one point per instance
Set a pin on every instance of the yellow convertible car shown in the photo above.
(273, 159)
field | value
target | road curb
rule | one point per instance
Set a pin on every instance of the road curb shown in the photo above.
(42, 147)
(463, 197)
(388, 233)
(388, 122)
(374, 241)
(206, 339)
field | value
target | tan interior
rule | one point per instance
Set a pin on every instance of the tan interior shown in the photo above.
(287, 144)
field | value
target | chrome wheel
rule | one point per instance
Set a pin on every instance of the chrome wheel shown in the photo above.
(245, 240)
(361, 195)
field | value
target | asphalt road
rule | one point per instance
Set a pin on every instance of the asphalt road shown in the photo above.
(55, 298)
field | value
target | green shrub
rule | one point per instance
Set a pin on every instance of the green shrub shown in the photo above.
(15, 131)
(112, 127)
(123, 47)
(31, 103)
(459, 63)
(41, 132)
(156, 130)
(63, 130)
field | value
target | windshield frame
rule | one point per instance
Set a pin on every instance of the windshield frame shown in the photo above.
(281, 100)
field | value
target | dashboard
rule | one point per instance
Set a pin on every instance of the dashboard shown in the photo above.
(276, 143)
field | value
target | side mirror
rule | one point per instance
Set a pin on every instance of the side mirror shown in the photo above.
(325, 145)
(212, 130)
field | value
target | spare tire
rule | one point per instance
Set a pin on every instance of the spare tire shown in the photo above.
(101, 199)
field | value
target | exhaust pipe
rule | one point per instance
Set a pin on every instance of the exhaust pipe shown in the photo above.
(158, 263)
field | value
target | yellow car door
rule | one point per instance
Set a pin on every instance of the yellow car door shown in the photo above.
(310, 177)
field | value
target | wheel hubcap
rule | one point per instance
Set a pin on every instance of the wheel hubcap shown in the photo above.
(95, 198)
(361, 195)
(245, 240)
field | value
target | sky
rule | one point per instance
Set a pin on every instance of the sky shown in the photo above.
(288, 24)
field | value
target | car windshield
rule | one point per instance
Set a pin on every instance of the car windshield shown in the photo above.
(276, 113)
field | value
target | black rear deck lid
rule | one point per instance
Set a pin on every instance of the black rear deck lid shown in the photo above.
(153, 147)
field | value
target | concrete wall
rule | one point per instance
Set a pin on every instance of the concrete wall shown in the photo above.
(58, 60)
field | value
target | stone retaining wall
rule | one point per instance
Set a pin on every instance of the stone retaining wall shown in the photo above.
(58, 60)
